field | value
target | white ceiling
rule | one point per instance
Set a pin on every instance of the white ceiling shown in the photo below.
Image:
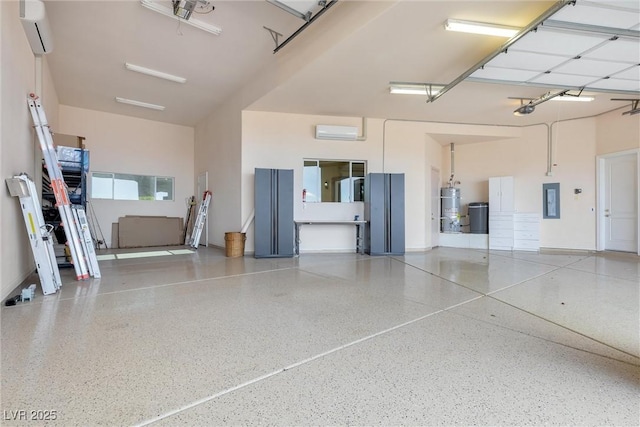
(342, 66)
(586, 46)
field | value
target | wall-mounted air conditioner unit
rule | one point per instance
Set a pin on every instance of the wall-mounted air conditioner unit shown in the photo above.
(36, 26)
(349, 133)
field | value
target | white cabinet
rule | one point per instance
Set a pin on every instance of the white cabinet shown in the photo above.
(501, 194)
(501, 231)
(526, 231)
(501, 206)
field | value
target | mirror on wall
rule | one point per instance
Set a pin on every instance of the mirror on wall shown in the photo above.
(339, 181)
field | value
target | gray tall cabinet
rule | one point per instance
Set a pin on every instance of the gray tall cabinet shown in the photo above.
(384, 213)
(274, 213)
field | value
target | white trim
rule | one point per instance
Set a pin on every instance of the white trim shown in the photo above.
(600, 191)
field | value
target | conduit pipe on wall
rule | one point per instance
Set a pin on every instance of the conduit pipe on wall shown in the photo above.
(549, 133)
(452, 183)
(453, 170)
(363, 137)
(549, 150)
(550, 160)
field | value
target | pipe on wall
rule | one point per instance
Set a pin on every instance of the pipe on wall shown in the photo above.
(453, 171)
(549, 150)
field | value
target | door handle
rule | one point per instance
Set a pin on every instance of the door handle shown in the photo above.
(607, 215)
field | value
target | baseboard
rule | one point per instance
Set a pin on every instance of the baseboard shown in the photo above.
(17, 288)
(566, 251)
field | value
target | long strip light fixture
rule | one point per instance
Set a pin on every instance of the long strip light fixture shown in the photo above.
(151, 5)
(480, 28)
(573, 98)
(405, 88)
(139, 103)
(154, 73)
(532, 25)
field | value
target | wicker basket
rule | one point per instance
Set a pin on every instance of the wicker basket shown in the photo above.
(234, 244)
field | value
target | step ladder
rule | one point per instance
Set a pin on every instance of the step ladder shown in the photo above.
(200, 220)
(188, 226)
(71, 227)
(40, 237)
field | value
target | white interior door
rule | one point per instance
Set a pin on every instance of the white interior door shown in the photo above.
(435, 207)
(620, 215)
(203, 185)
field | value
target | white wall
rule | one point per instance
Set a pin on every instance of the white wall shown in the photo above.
(574, 167)
(615, 132)
(525, 158)
(218, 147)
(130, 145)
(19, 151)
(408, 149)
(278, 140)
(282, 141)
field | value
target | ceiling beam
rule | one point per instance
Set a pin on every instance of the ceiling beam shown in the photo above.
(586, 28)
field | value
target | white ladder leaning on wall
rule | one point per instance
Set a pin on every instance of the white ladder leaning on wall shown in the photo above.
(200, 220)
(40, 237)
(73, 229)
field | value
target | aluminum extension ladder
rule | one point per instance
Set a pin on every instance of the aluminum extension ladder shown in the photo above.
(73, 228)
(39, 233)
(200, 220)
(86, 240)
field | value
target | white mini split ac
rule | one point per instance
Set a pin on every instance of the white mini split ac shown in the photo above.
(36, 26)
(349, 133)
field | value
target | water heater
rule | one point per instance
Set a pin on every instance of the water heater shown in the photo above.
(450, 204)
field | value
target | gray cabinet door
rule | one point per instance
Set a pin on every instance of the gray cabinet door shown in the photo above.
(274, 226)
(384, 213)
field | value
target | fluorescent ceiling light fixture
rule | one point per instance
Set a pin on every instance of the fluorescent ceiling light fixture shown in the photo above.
(573, 98)
(154, 73)
(151, 5)
(480, 28)
(425, 89)
(140, 103)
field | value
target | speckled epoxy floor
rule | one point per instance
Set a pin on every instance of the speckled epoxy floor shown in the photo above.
(444, 337)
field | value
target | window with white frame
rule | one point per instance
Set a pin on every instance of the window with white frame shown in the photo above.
(333, 180)
(120, 186)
